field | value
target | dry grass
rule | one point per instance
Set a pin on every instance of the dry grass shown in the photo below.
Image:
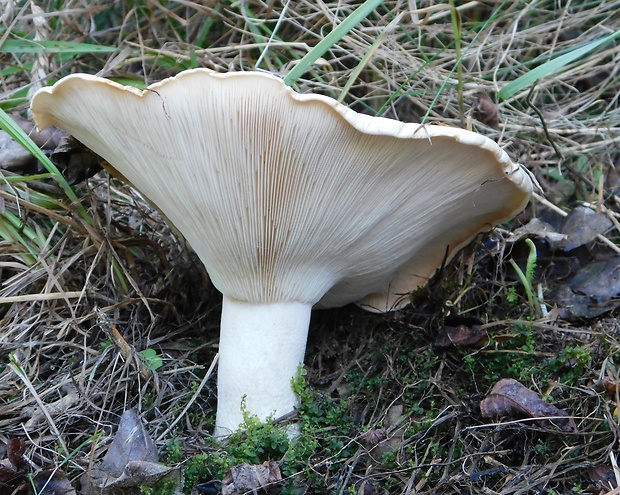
(70, 285)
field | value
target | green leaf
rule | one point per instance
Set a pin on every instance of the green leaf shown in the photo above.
(373, 48)
(66, 47)
(150, 359)
(8, 125)
(552, 66)
(331, 39)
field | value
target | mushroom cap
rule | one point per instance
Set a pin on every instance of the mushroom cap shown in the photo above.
(291, 197)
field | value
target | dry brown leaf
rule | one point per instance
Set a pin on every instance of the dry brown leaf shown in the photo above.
(77, 162)
(16, 478)
(581, 226)
(461, 336)
(15, 452)
(129, 464)
(592, 291)
(373, 437)
(537, 228)
(605, 385)
(511, 399)
(13, 156)
(602, 476)
(46, 139)
(486, 111)
(251, 477)
(52, 482)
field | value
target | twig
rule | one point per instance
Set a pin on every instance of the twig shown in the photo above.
(191, 401)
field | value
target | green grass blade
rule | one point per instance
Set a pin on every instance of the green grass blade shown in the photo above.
(29, 233)
(458, 31)
(498, 12)
(8, 125)
(12, 235)
(27, 178)
(552, 66)
(373, 48)
(330, 40)
(65, 47)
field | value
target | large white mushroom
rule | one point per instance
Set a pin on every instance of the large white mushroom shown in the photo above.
(291, 201)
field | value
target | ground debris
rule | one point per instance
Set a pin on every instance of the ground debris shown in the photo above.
(16, 478)
(130, 463)
(146, 280)
(509, 398)
(537, 228)
(603, 477)
(605, 385)
(582, 279)
(76, 162)
(461, 336)
(592, 291)
(578, 228)
(251, 477)
(581, 226)
(486, 111)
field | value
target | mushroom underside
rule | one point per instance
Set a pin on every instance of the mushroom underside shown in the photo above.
(289, 200)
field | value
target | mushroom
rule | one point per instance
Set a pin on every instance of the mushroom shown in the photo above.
(291, 201)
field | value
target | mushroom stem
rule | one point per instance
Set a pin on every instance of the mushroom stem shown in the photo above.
(261, 348)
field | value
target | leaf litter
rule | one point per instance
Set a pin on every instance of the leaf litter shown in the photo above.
(511, 399)
(19, 478)
(130, 464)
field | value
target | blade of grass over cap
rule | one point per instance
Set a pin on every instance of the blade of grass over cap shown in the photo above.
(497, 13)
(373, 48)
(65, 47)
(331, 39)
(552, 66)
(8, 125)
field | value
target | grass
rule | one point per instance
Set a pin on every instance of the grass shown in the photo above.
(384, 409)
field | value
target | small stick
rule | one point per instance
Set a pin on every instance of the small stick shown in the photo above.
(126, 350)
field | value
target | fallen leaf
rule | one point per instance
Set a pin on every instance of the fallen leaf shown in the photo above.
(594, 290)
(13, 156)
(129, 464)
(251, 477)
(509, 398)
(373, 437)
(16, 477)
(46, 139)
(131, 443)
(602, 476)
(486, 111)
(599, 280)
(394, 416)
(537, 228)
(6, 475)
(15, 453)
(212, 487)
(76, 162)
(460, 336)
(580, 227)
(378, 441)
(52, 482)
(365, 487)
(605, 385)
